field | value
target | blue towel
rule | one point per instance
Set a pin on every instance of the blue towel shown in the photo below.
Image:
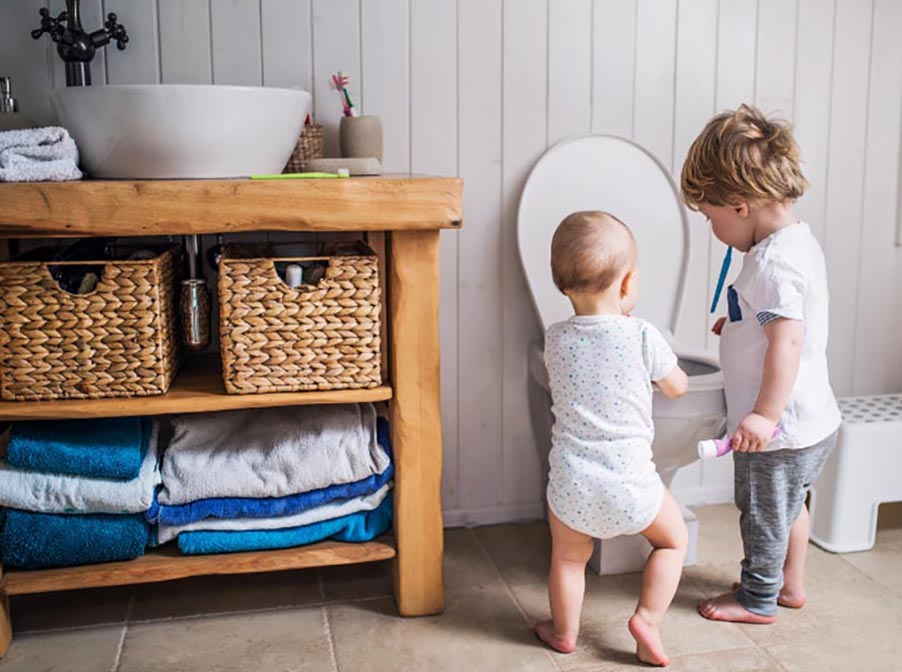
(356, 527)
(36, 540)
(271, 507)
(112, 448)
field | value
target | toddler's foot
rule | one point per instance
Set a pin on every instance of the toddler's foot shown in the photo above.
(648, 641)
(545, 632)
(791, 599)
(727, 608)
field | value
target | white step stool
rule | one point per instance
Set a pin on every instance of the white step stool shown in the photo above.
(864, 471)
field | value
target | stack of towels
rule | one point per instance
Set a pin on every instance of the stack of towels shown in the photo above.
(77, 492)
(38, 155)
(274, 478)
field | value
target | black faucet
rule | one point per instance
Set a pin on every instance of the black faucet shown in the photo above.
(74, 45)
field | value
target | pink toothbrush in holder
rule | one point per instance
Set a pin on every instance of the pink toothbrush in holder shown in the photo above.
(720, 447)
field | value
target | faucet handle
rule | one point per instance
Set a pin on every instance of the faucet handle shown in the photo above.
(53, 26)
(116, 30)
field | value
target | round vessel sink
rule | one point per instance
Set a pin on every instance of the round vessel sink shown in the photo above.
(169, 131)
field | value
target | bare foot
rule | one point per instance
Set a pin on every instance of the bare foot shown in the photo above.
(545, 632)
(648, 641)
(726, 608)
(791, 599)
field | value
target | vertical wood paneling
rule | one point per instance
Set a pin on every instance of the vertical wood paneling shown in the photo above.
(845, 184)
(876, 346)
(385, 79)
(569, 68)
(776, 53)
(25, 61)
(433, 150)
(613, 65)
(237, 51)
(814, 69)
(655, 56)
(524, 131)
(479, 60)
(185, 56)
(336, 46)
(287, 43)
(140, 62)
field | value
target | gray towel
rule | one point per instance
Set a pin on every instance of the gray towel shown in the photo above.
(270, 452)
(44, 154)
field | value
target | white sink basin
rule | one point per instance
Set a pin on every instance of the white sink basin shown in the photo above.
(160, 131)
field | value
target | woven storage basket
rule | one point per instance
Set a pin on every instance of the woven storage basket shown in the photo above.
(117, 341)
(315, 337)
(308, 147)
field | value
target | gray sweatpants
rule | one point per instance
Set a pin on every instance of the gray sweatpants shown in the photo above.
(770, 493)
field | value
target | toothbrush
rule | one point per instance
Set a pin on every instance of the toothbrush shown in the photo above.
(341, 82)
(724, 269)
(720, 447)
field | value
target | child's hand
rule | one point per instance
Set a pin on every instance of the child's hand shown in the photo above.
(718, 326)
(753, 434)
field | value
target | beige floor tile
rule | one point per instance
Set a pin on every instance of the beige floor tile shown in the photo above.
(733, 660)
(889, 522)
(610, 601)
(225, 594)
(481, 629)
(719, 538)
(290, 640)
(89, 650)
(522, 552)
(70, 609)
(883, 563)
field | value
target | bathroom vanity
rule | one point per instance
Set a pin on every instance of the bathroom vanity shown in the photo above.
(401, 218)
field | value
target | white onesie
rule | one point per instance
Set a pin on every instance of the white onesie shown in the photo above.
(600, 367)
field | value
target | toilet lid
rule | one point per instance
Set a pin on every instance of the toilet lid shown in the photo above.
(601, 172)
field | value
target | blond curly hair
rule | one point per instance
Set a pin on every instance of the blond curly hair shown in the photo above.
(743, 154)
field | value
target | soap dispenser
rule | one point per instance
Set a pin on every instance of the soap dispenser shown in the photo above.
(10, 117)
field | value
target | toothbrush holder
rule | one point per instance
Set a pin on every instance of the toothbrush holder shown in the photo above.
(360, 137)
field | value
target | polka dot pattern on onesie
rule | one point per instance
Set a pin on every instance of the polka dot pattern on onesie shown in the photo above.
(602, 480)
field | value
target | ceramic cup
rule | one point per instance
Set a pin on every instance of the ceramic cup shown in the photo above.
(360, 137)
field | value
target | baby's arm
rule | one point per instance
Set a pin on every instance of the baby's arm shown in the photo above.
(674, 384)
(781, 367)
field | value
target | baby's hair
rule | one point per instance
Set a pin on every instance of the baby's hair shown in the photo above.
(590, 250)
(743, 154)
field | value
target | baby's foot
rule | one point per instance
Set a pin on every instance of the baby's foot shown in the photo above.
(648, 641)
(545, 632)
(789, 598)
(727, 608)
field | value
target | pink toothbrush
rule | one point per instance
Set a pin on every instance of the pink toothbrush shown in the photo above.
(720, 447)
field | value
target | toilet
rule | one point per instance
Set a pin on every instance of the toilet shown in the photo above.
(600, 172)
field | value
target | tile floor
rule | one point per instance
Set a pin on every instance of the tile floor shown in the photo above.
(344, 619)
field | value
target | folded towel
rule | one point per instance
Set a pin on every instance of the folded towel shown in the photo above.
(272, 507)
(270, 452)
(58, 493)
(38, 155)
(330, 511)
(356, 527)
(35, 540)
(112, 448)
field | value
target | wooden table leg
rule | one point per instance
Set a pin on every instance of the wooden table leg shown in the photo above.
(6, 627)
(416, 420)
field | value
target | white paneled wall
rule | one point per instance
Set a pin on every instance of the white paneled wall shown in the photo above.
(480, 88)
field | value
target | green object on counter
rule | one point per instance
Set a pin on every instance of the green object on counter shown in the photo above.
(299, 176)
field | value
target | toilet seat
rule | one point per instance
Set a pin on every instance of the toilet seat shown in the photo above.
(603, 172)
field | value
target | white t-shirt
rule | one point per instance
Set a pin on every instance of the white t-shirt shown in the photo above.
(782, 276)
(602, 480)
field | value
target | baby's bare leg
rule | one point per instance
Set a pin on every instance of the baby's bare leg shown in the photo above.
(570, 551)
(793, 593)
(669, 537)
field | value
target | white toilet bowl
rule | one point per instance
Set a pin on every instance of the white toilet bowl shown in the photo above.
(615, 175)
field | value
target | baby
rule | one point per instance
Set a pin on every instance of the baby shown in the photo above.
(743, 174)
(601, 363)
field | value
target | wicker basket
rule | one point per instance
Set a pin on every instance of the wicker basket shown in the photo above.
(316, 337)
(308, 147)
(116, 341)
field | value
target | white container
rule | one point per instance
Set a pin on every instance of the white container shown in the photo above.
(175, 131)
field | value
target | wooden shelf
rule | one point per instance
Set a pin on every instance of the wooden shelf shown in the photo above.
(166, 563)
(164, 207)
(197, 388)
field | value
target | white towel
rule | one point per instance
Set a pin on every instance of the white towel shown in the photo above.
(44, 154)
(57, 493)
(315, 515)
(269, 452)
